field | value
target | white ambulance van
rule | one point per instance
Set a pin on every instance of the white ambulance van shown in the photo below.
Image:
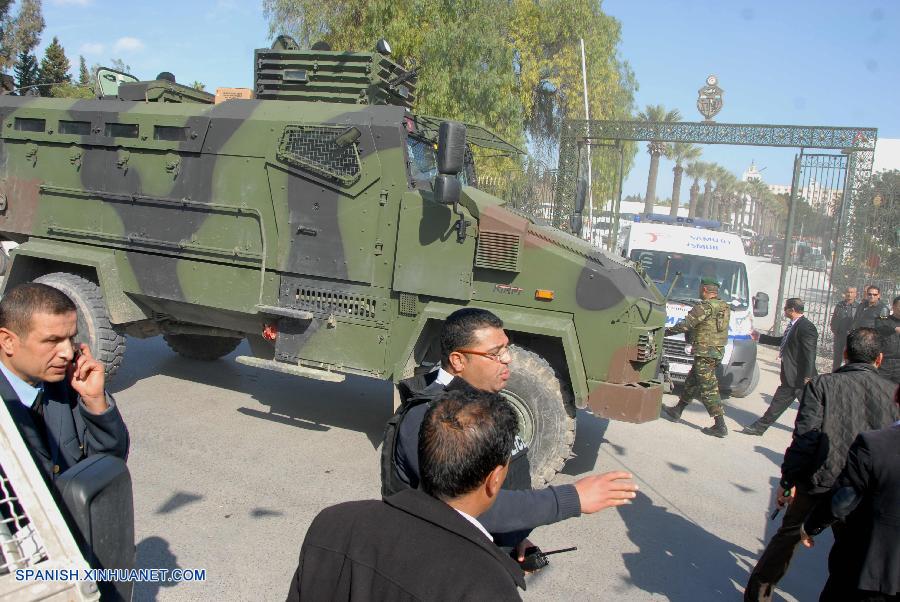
(676, 257)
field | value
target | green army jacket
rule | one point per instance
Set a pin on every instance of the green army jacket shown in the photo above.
(706, 326)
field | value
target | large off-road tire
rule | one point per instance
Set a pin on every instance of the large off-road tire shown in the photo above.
(546, 420)
(747, 390)
(94, 328)
(201, 346)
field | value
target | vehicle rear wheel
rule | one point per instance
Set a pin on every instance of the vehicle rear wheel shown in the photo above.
(546, 420)
(94, 327)
(749, 388)
(201, 346)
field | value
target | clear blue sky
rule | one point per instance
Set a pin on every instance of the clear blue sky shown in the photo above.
(808, 62)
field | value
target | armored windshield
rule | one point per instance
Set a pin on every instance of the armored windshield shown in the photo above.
(423, 162)
(662, 268)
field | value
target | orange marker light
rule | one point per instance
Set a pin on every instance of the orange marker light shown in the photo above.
(543, 295)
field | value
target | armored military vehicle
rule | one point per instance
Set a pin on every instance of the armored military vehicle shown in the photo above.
(324, 222)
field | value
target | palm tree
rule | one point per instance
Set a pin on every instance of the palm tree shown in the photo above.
(694, 170)
(725, 182)
(655, 114)
(758, 196)
(708, 173)
(682, 152)
(742, 193)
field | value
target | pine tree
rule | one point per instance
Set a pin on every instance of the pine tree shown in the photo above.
(54, 67)
(19, 34)
(26, 70)
(84, 76)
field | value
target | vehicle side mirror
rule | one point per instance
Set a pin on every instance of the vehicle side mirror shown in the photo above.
(761, 305)
(96, 497)
(447, 189)
(451, 149)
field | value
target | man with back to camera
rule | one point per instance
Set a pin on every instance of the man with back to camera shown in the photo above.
(889, 330)
(475, 355)
(427, 543)
(834, 409)
(797, 350)
(870, 309)
(864, 566)
(54, 392)
(706, 329)
(841, 323)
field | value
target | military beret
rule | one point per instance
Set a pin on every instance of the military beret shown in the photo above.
(707, 281)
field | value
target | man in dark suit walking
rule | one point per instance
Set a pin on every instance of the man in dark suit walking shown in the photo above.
(835, 408)
(865, 563)
(797, 349)
(53, 388)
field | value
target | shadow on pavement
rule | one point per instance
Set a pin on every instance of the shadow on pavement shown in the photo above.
(153, 553)
(772, 455)
(677, 558)
(178, 500)
(589, 435)
(358, 404)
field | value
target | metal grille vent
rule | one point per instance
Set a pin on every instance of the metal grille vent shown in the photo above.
(646, 350)
(313, 148)
(20, 545)
(497, 251)
(408, 304)
(335, 302)
(674, 348)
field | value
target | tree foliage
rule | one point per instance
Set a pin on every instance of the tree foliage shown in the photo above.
(54, 67)
(20, 33)
(84, 75)
(513, 65)
(26, 70)
(870, 248)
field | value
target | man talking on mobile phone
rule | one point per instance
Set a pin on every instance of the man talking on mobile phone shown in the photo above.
(53, 387)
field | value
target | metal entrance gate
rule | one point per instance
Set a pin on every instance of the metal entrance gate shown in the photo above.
(813, 239)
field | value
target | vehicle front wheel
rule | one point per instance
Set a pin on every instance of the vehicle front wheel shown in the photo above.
(546, 420)
(200, 346)
(94, 327)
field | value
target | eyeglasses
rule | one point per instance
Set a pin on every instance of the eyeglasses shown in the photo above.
(503, 355)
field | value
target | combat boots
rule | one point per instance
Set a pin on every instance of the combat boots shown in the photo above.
(716, 430)
(673, 413)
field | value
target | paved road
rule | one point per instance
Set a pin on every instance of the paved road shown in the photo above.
(231, 464)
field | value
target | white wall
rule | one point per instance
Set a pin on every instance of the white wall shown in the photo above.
(887, 154)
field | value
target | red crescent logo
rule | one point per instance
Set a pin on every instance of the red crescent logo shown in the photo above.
(652, 236)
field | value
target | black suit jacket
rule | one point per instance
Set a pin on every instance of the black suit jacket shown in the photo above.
(867, 556)
(409, 546)
(798, 359)
(518, 507)
(71, 433)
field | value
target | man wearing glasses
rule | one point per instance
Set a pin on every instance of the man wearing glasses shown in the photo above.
(475, 354)
(871, 309)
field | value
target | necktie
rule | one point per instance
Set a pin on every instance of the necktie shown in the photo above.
(38, 406)
(784, 339)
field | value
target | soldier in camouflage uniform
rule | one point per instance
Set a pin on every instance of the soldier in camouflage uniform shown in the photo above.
(706, 328)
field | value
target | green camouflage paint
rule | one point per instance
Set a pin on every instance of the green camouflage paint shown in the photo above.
(191, 213)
